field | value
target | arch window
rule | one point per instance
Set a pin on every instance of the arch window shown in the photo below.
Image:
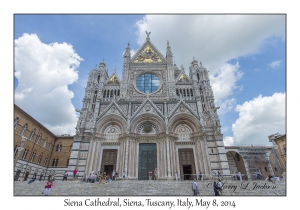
(40, 158)
(50, 146)
(59, 147)
(45, 161)
(16, 150)
(45, 142)
(32, 156)
(16, 122)
(24, 129)
(284, 149)
(55, 162)
(32, 134)
(39, 139)
(25, 153)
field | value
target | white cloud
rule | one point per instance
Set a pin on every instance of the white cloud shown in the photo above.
(44, 72)
(275, 64)
(223, 82)
(228, 141)
(260, 118)
(212, 39)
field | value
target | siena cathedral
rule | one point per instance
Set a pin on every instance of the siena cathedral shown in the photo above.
(154, 117)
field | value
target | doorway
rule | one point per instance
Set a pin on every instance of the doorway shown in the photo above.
(109, 169)
(147, 161)
(187, 171)
(187, 164)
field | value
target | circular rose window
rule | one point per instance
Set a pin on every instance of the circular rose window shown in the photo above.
(147, 83)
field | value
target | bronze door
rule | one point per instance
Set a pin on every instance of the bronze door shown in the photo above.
(147, 160)
(109, 161)
(186, 164)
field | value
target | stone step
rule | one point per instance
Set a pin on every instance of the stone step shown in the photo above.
(144, 187)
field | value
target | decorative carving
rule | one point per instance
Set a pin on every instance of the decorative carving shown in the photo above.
(148, 55)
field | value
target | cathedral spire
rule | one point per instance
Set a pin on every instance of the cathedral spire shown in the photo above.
(169, 51)
(127, 53)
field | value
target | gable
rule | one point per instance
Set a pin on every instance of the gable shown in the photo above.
(148, 54)
(113, 80)
(183, 79)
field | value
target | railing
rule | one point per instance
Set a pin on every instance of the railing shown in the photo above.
(238, 177)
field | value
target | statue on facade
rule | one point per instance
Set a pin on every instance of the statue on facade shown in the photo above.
(148, 33)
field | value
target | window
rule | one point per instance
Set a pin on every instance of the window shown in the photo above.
(147, 83)
(40, 158)
(284, 149)
(266, 169)
(25, 154)
(24, 129)
(45, 161)
(32, 135)
(55, 162)
(32, 156)
(50, 146)
(275, 169)
(58, 147)
(16, 122)
(45, 142)
(16, 150)
(212, 150)
(39, 139)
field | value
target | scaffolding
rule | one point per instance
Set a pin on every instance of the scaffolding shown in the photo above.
(255, 158)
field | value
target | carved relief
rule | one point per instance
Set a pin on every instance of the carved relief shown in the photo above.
(171, 106)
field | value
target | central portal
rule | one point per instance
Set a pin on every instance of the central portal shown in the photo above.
(147, 160)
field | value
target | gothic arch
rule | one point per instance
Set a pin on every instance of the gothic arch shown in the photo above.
(109, 120)
(157, 123)
(186, 119)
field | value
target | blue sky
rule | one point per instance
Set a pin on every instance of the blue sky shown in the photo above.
(245, 55)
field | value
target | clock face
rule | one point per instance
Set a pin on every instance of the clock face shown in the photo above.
(147, 83)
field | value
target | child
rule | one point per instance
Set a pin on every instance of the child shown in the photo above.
(48, 187)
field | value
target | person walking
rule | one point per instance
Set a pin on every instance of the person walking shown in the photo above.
(113, 175)
(65, 176)
(200, 175)
(48, 187)
(123, 175)
(32, 179)
(155, 174)
(216, 190)
(74, 173)
(220, 186)
(195, 187)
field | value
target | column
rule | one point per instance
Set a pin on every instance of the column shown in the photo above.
(168, 158)
(247, 169)
(126, 157)
(269, 164)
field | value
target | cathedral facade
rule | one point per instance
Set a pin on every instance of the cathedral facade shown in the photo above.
(155, 117)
